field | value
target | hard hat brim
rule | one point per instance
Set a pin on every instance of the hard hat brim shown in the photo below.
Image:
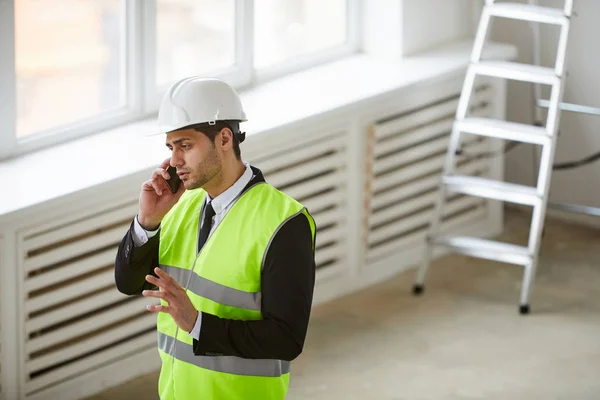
(161, 130)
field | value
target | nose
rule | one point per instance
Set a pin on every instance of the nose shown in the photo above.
(176, 159)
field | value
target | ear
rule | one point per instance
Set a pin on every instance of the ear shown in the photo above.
(226, 139)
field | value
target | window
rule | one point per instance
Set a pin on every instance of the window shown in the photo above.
(68, 62)
(76, 67)
(286, 29)
(191, 41)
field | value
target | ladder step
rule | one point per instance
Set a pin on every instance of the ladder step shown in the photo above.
(504, 130)
(492, 189)
(527, 12)
(488, 249)
(516, 71)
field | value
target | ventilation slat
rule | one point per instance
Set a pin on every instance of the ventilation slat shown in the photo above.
(424, 217)
(312, 167)
(415, 137)
(71, 291)
(316, 185)
(395, 194)
(427, 115)
(419, 169)
(104, 239)
(332, 252)
(405, 207)
(299, 155)
(72, 270)
(328, 217)
(317, 203)
(80, 228)
(74, 309)
(85, 346)
(418, 238)
(419, 118)
(91, 324)
(411, 155)
(330, 234)
(120, 351)
(331, 271)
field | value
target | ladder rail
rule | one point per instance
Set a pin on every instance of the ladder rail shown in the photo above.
(569, 4)
(561, 54)
(481, 35)
(449, 164)
(539, 212)
(536, 59)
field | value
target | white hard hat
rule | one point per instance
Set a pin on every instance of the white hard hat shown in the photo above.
(198, 100)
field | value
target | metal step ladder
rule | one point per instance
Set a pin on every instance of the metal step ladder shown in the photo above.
(536, 197)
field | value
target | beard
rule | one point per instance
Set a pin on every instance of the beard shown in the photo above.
(205, 171)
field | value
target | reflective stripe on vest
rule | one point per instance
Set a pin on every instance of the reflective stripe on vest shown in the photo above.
(212, 290)
(228, 364)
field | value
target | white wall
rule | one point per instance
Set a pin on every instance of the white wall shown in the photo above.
(396, 28)
(580, 134)
(432, 23)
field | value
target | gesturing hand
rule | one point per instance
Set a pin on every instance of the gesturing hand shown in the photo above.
(179, 305)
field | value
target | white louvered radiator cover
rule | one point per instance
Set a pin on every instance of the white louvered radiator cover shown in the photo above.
(75, 319)
(315, 175)
(407, 154)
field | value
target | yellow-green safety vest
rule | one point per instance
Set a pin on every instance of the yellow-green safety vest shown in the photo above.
(223, 280)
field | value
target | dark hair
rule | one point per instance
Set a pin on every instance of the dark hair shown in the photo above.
(211, 131)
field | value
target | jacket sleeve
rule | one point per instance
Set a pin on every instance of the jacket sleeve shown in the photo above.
(132, 264)
(287, 284)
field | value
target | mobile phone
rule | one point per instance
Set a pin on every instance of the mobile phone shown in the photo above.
(174, 181)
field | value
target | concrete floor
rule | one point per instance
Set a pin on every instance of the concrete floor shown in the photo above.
(464, 338)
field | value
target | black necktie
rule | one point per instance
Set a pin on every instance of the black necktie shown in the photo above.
(209, 213)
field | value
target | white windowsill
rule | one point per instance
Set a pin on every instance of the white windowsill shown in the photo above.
(64, 169)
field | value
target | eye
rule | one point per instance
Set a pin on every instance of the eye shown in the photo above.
(185, 146)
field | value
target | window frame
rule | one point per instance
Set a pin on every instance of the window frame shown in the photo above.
(142, 95)
(239, 75)
(129, 112)
(305, 61)
(8, 81)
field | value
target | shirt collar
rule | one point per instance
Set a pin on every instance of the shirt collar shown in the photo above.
(222, 201)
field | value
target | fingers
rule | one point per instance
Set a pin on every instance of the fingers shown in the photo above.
(166, 277)
(158, 308)
(165, 164)
(154, 293)
(157, 181)
(161, 172)
(155, 281)
(164, 280)
(157, 186)
(167, 290)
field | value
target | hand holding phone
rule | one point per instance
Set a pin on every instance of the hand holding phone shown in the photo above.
(155, 200)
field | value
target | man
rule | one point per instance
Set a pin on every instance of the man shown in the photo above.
(230, 257)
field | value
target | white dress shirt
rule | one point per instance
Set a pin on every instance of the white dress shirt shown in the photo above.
(221, 204)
